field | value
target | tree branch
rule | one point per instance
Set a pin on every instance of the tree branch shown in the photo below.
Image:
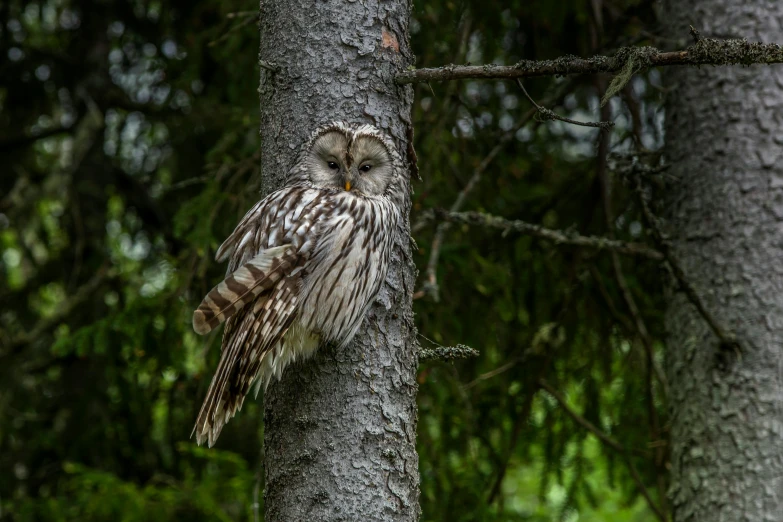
(17, 142)
(726, 337)
(249, 18)
(557, 236)
(607, 440)
(85, 292)
(652, 367)
(548, 114)
(430, 286)
(706, 51)
(586, 424)
(448, 353)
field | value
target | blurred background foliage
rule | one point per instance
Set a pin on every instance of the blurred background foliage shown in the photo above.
(128, 151)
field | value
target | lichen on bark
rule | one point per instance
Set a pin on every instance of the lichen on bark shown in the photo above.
(725, 217)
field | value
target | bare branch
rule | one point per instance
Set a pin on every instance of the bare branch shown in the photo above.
(546, 341)
(17, 142)
(547, 114)
(608, 441)
(586, 424)
(87, 291)
(430, 285)
(431, 282)
(706, 51)
(249, 18)
(559, 237)
(726, 337)
(651, 368)
(242, 14)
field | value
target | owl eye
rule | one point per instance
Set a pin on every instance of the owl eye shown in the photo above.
(365, 168)
(332, 165)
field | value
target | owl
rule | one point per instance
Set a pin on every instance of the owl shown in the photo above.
(305, 264)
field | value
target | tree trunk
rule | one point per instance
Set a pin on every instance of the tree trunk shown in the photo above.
(340, 430)
(725, 215)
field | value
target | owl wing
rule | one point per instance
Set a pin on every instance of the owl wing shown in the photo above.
(249, 335)
(243, 286)
(258, 299)
(243, 234)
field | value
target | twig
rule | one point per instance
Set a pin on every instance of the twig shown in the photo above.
(630, 166)
(696, 35)
(547, 114)
(706, 51)
(547, 339)
(413, 159)
(607, 440)
(25, 140)
(439, 122)
(727, 339)
(247, 21)
(441, 119)
(651, 367)
(238, 14)
(586, 424)
(186, 183)
(557, 236)
(536, 358)
(493, 373)
(638, 323)
(430, 285)
(448, 353)
(87, 291)
(630, 326)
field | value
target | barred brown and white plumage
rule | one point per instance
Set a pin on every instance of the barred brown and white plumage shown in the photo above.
(305, 264)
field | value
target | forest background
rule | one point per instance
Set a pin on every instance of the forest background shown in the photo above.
(129, 149)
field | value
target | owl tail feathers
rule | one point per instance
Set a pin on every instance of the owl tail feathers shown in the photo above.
(224, 399)
(210, 423)
(242, 286)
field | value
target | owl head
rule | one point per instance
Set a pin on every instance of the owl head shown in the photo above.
(360, 159)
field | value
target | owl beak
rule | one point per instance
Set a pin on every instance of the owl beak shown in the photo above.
(347, 185)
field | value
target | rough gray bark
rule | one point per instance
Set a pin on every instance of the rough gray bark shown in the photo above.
(723, 130)
(340, 430)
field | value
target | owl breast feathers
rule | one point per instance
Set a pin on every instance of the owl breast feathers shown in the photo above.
(305, 264)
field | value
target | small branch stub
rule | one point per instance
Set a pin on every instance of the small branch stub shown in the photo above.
(448, 353)
(696, 35)
(269, 66)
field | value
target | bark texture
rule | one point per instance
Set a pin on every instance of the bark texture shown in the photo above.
(723, 130)
(340, 430)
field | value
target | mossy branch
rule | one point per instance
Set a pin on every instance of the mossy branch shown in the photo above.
(448, 353)
(626, 62)
(559, 237)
